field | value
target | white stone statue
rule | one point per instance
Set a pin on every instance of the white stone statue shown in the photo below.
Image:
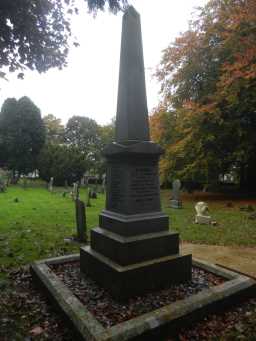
(202, 216)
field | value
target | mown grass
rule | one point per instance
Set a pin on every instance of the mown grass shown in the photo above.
(36, 225)
(234, 227)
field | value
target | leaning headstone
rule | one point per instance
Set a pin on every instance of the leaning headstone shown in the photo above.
(80, 220)
(202, 216)
(133, 251)
(50, 185)
(175, 200)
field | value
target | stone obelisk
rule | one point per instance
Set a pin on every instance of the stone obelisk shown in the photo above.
(132, 250)
(132, 112)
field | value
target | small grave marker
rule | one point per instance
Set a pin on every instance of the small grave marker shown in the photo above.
(50, 185)
(80, 220)
(201, 213)
(175, 200)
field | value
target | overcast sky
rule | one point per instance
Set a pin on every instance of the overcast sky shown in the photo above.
(88, 86)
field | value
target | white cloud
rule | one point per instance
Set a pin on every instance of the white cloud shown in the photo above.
(88, 86)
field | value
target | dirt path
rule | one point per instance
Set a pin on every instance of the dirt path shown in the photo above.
(240, 258)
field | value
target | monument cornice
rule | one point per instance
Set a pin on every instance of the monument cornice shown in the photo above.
(133, 148)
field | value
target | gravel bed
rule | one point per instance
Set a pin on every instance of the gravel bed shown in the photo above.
(110, 312)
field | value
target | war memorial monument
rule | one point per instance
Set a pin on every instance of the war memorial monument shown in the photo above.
(133, 251)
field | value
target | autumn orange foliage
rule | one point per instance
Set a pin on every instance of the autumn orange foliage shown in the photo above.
(208, 87)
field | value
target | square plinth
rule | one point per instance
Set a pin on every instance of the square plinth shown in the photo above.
(155, 325)
(124, 282)
(133, 224)
(129, 250)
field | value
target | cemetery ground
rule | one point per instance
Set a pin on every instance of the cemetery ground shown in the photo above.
(34, 224)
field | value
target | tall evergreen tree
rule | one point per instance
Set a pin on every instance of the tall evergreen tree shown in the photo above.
(22, 134)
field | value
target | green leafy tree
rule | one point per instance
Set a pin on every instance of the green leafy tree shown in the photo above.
(35, 34)
(64, 163)
(106, 136)
(22, 134)
(54, 129)
(83, 133)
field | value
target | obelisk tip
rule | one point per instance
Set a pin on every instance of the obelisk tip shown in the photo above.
(130, 10)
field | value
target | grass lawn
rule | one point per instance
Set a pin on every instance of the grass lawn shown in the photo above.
(36, 225)
(233, 225)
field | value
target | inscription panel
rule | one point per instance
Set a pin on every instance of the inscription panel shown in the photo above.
(144, 188)
(115, 183)
(133, 188)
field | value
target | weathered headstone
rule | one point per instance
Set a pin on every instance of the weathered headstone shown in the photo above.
(133, 250)
(75, 191)
(201, 213)
(50, 185)
(175, 200)
(88, 198)
(80, 220)
(103, 185)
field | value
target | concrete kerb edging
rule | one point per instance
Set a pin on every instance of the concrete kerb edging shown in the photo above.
(172, 315)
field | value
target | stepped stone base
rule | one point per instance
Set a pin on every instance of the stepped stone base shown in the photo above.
(126, 281)
(133, 224)
(129, 250)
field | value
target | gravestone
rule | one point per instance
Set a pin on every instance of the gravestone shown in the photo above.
(50, 185)
(175, 200)
(132, 251)
(2, 185)
(66, 184)
(88, 198)
(75, 191)
(103, 185)
(80, 220)
(202, 216)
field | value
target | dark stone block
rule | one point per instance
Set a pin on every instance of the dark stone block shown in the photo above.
(133, 185)
(129, 250)
(131, 225)
(126, 281)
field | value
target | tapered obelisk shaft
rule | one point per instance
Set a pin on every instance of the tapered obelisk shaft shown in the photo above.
(132, 112)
